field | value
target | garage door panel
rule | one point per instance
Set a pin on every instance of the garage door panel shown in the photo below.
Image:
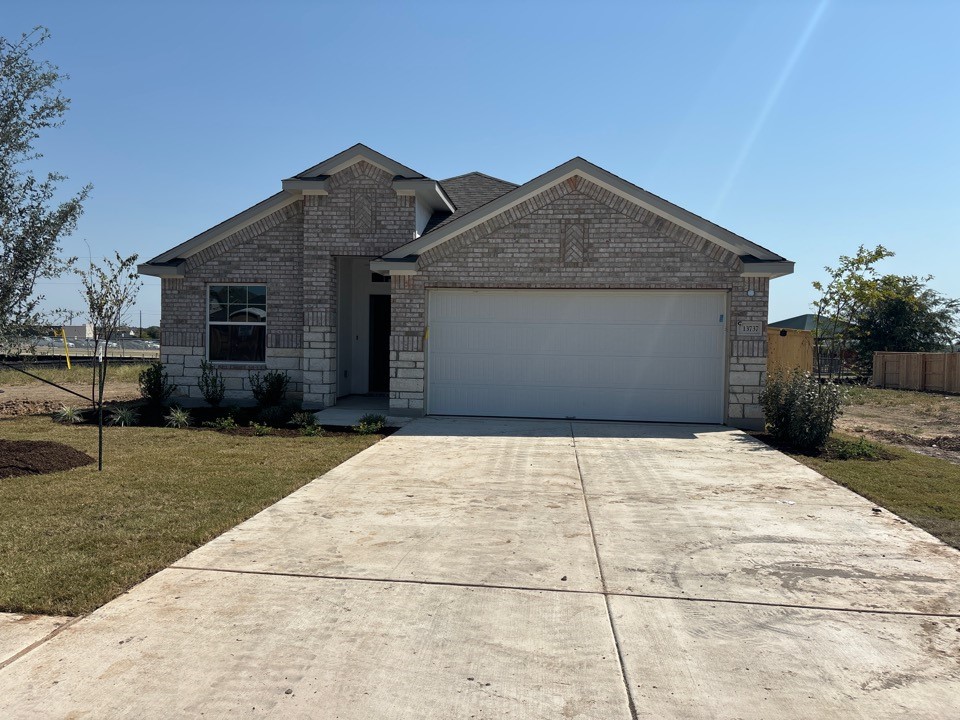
(656, 405)
(626, 355)
(624, 373)
(574, 307)
(558, 338)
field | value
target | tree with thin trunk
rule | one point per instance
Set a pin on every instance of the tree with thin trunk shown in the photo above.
(851, 286)
(110, 290)
(32, 222)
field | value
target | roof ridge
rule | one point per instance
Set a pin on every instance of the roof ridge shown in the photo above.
(481, 174)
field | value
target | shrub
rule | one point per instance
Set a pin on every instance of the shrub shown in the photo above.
(303, 419)
(800, 410)
(261, 430)
(222, 423)
(68, 415)
(155, 385)
(858, 449)
(123, 416)
(212, 385)
(270, 388)
(311, 431)
(178, 417)
(369, 424)
(276, 415)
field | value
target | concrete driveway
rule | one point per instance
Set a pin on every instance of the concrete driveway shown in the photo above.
(522, 569)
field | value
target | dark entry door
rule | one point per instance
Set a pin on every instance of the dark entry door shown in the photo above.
(379, 380)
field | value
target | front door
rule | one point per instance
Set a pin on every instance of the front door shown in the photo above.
(379, 365)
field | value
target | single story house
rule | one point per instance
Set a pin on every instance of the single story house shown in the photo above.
(827, 326)
(574, 295)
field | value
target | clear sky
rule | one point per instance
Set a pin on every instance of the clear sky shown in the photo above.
(809, 127)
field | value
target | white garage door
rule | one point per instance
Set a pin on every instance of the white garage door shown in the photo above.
(610, 355)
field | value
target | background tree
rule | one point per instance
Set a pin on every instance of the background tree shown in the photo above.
(110, 290)
(32, 224)
(906, 315)
(850, 287)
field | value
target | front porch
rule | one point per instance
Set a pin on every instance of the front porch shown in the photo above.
(350, 408)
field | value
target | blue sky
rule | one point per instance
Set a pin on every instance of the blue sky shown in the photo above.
(808, 127)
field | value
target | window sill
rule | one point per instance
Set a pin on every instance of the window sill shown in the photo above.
(236, 365)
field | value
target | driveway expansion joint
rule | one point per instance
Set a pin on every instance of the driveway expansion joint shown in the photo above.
(603, 584)
(34, 645)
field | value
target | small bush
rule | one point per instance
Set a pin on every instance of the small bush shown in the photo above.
(178, 418)
(370, 424)
(800, 411)
(68, 415)
(303, 419)
(222, 423)
(858, 449)
(123, 416)
(155, 385)
(277, 415)
(212, 385)
(269, 388)
(261, 430)
(311, 431)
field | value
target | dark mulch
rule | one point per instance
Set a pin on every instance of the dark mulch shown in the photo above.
(38, 457)
(837, 448)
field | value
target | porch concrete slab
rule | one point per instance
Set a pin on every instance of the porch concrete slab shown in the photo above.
(192, 643)
(479, 536)
(806, 554)
(18, 632)
(718, 660)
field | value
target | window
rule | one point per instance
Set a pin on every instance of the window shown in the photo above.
(237, 318)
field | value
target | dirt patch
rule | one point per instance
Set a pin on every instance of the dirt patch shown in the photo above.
(40, 399)
(38, 457)
(944, 442)
(925, 423)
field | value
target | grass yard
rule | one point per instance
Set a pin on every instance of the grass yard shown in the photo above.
(70, 541)
(78, 375)
(924, 490)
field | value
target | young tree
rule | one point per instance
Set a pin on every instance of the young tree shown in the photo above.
(906, 316)
(850, 287)
(110, 291)
(32, 224)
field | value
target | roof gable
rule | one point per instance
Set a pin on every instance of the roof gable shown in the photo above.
(352, 155)
(578, 167)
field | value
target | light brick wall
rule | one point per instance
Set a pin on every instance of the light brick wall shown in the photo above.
(621, 246)
(293, 251)
(332, 228)
(267, 253)
(574, 235)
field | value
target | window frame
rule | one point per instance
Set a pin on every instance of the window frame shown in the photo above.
(209, 322)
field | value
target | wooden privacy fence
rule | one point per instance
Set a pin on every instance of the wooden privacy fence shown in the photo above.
(789, 349)
(939, 372)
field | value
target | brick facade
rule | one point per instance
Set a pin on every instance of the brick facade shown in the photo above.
(619, 246)
(572, 235)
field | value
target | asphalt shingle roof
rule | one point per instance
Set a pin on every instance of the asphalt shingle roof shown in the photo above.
(468, 192)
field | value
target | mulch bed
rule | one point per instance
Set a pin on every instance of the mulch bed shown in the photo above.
(37, 457)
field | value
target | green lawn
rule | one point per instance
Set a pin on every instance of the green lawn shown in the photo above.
(71, 541)
(921, 489)
(78, 374)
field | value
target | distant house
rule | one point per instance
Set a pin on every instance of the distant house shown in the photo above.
(809, 322)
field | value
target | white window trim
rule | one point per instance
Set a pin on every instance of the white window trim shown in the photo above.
(265, 323)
